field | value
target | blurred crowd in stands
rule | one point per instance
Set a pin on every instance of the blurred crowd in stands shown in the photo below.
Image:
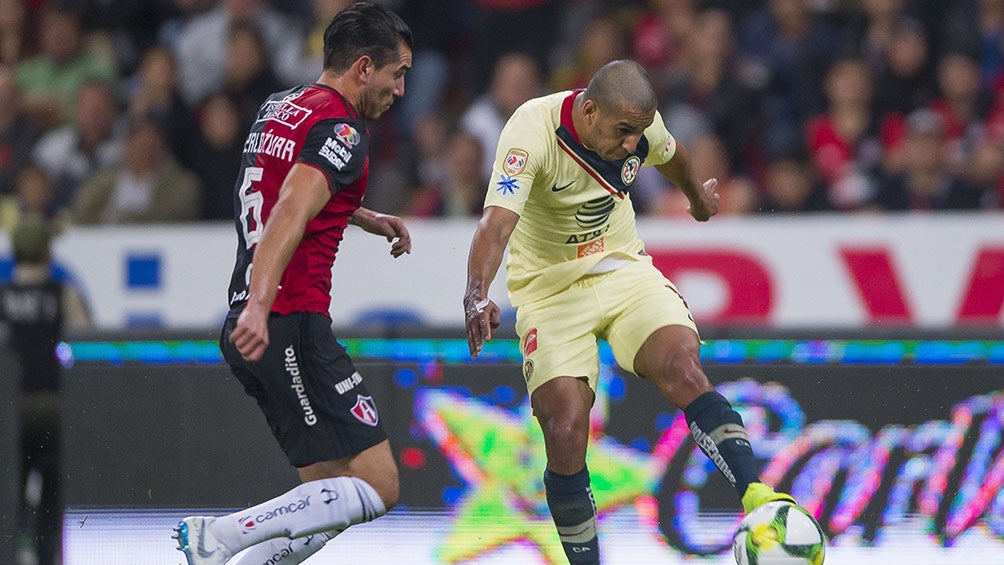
(135, 111)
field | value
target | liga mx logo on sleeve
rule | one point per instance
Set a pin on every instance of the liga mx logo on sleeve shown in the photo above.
(365, 410)
(347, 135)
(515, 161)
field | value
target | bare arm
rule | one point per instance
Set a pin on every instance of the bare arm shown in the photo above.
(303, 194)
(489, 243)
(391, 227)
(703, 197)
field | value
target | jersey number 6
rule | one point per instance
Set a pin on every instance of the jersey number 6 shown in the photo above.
(251, 201)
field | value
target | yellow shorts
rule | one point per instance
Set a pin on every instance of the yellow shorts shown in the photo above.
(558, 334)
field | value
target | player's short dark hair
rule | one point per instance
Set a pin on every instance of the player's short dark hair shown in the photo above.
(362, 29)
(622, 83)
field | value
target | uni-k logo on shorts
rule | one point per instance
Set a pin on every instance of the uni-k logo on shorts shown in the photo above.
(365, 410)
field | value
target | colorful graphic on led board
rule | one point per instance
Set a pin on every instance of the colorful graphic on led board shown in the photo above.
(883, 441)
(837, 468)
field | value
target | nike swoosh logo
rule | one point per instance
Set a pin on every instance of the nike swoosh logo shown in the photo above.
(557, 188)
(202, 543)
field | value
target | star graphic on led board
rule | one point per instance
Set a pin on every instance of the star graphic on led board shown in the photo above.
(499, 454)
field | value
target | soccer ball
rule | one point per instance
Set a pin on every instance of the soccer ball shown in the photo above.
(779, 533)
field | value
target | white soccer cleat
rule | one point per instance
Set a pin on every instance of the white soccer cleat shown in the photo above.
(198, 544)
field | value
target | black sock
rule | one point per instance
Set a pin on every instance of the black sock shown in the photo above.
(719, 432)
(574, 512)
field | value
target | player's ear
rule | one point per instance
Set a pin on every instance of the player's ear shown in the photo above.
(363, 68)
(589, 110)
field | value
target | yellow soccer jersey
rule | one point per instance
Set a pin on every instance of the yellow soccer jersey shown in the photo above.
(575, 208)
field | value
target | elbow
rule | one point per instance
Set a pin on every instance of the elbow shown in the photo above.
(498, 224)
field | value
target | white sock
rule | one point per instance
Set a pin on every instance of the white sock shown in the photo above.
(311, 508)
(285, 551)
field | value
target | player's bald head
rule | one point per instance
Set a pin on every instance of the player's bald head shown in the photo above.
(620, 85)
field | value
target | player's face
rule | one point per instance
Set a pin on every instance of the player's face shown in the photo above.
(613, 135)
(385, 84)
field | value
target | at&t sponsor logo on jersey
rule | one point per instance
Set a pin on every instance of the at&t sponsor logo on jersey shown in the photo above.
(365, 410)
(335, 153)
(270, 144)
(587, 236)
(296, 383)
(250, 522)
(593, 215)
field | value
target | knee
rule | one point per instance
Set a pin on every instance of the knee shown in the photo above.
(670, 352)
(566, 429)
(679, 375)
(561, 406)
(564, 419)
(680, 361)
(566, 435)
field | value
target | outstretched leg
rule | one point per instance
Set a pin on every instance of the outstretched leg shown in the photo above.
(334, 496)
(671, 358)
(562, 406)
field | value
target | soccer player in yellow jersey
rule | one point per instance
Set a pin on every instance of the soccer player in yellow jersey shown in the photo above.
(559, 197)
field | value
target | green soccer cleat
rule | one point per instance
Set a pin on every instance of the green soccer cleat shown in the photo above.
(759, 493)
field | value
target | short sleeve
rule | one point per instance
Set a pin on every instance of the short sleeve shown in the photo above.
(661, 143)
(337, 147)
(521, 152)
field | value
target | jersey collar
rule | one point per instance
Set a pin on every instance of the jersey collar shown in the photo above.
(348, 105)
(566, 114)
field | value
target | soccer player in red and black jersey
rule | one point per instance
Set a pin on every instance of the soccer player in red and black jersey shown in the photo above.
(301, 183)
